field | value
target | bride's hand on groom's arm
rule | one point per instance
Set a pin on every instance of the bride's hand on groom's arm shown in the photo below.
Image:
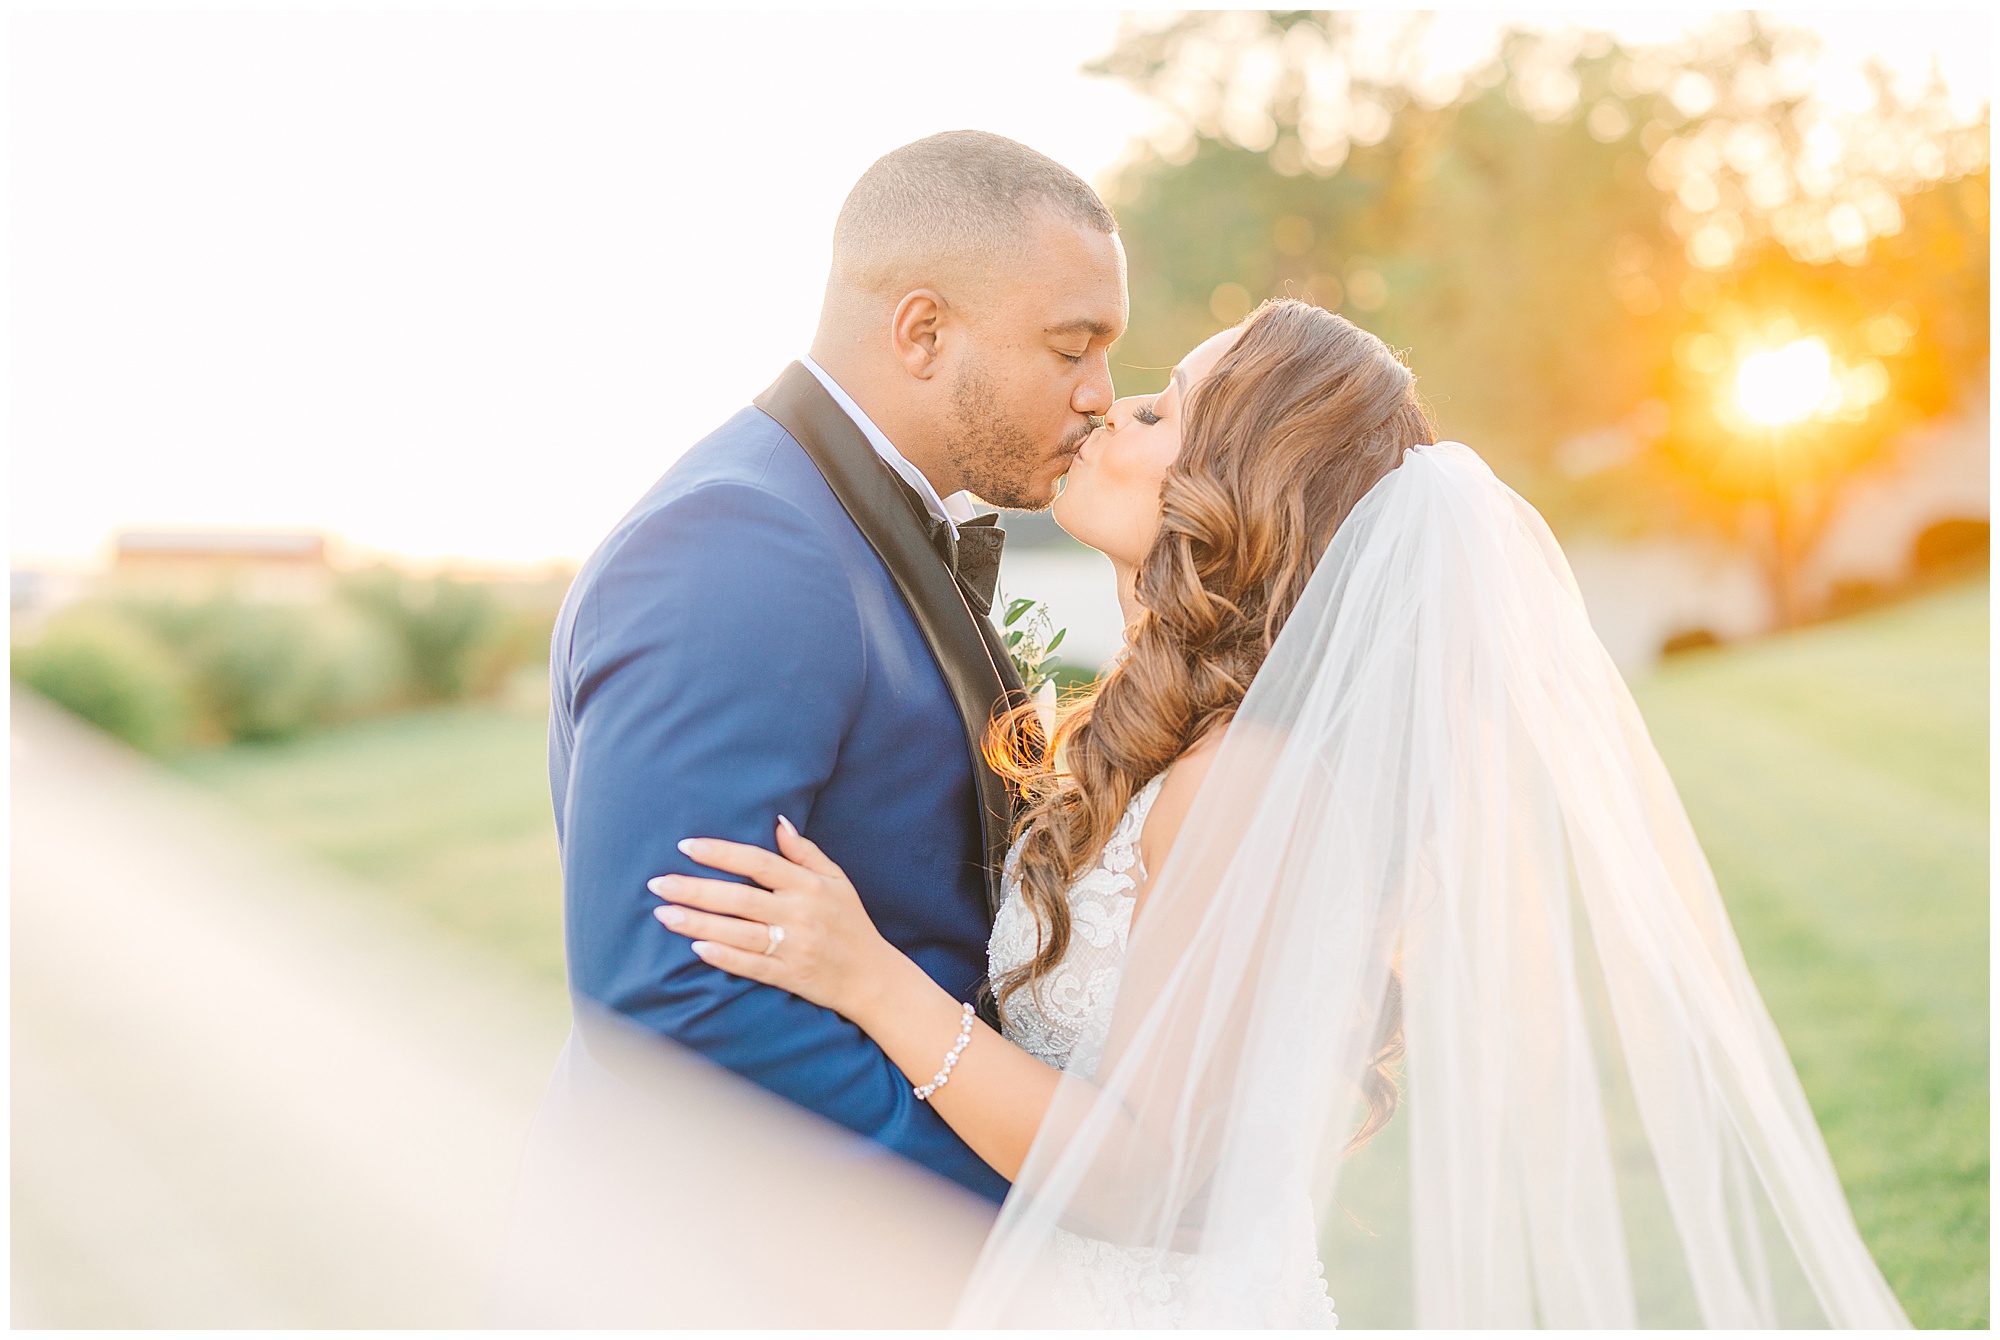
(831, 954)
(799, 926)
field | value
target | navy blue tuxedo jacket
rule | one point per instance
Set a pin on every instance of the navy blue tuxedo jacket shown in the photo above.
(770, 631)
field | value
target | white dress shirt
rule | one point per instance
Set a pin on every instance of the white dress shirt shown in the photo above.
(958, 507)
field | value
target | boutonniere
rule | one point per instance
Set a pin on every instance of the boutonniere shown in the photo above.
(1032, 638)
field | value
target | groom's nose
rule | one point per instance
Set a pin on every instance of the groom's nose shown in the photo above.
(1093, 394)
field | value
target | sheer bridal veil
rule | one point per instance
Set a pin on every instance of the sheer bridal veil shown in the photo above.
(1438, 806)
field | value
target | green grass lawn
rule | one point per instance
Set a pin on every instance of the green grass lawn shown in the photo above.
(1838, 778)
(445, 810)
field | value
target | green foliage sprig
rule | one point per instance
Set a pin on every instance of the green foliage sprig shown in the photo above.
(1032, 638)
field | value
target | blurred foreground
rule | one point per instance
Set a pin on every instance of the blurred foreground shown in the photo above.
(246, 1096)
(242, 1096)
(659, 1191)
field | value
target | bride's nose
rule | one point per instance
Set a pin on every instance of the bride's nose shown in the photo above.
(1120, 412)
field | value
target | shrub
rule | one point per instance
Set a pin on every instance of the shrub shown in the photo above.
(266, 672)
(1687, 640)
(520, 639)
(1070, 677)
(1855, 595)
(441, 624)
(162, 672)
(1954, 545)
(110, 672)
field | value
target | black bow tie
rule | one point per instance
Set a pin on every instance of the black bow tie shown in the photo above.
(974, 557)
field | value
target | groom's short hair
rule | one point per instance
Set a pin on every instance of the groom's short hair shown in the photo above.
(948, 202)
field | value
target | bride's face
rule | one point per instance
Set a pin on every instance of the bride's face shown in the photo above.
(1110, 499)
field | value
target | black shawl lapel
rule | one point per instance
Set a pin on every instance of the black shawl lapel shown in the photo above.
(977, 669)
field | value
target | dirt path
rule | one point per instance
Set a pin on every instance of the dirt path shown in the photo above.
(242, 1095)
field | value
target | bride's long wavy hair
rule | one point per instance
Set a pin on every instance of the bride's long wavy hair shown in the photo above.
(1303, 415)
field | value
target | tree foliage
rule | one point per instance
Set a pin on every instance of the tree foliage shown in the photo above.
(1573, 242)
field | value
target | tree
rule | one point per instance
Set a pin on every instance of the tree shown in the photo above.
(1577, 244)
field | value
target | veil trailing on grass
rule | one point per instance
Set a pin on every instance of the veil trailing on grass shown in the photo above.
(1437, 814)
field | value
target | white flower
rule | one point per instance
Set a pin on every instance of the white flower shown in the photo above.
(1045, 706)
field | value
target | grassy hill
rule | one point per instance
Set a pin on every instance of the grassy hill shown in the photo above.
(1838, 778)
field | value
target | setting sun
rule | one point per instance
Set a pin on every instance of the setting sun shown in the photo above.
(1784, 385)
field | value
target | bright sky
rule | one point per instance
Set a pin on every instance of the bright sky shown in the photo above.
(460, 285)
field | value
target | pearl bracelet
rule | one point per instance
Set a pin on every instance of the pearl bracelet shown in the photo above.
(924, 1091)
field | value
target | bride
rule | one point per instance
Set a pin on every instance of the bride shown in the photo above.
(1355, 901)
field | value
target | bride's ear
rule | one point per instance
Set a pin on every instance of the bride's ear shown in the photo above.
(913, 332)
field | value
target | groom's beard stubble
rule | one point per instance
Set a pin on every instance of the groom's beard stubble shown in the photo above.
(999, 462)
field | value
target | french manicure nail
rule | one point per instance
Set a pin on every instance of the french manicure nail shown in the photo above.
(686, 845)
(658, 884)
(786, 824)
(700, 947)
(672, 916)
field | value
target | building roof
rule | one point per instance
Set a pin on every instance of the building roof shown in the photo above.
(292, 546)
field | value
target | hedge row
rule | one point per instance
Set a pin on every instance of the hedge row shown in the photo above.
(165, 674)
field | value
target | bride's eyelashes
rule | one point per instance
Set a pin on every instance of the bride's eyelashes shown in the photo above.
(1144, 414)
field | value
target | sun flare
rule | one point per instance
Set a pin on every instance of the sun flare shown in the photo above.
(1784, 385)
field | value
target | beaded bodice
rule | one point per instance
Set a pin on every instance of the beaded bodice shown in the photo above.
(1046, 1017)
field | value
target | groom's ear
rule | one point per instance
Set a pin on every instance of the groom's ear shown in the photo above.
(913, 332)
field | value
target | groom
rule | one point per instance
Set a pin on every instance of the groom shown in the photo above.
(794, 620)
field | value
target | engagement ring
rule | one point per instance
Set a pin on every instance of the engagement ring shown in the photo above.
(777, 934)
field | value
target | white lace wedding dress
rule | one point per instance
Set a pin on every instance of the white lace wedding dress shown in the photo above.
(1142, 1288)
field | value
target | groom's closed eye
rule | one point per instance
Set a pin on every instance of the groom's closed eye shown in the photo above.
(1090, 331)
